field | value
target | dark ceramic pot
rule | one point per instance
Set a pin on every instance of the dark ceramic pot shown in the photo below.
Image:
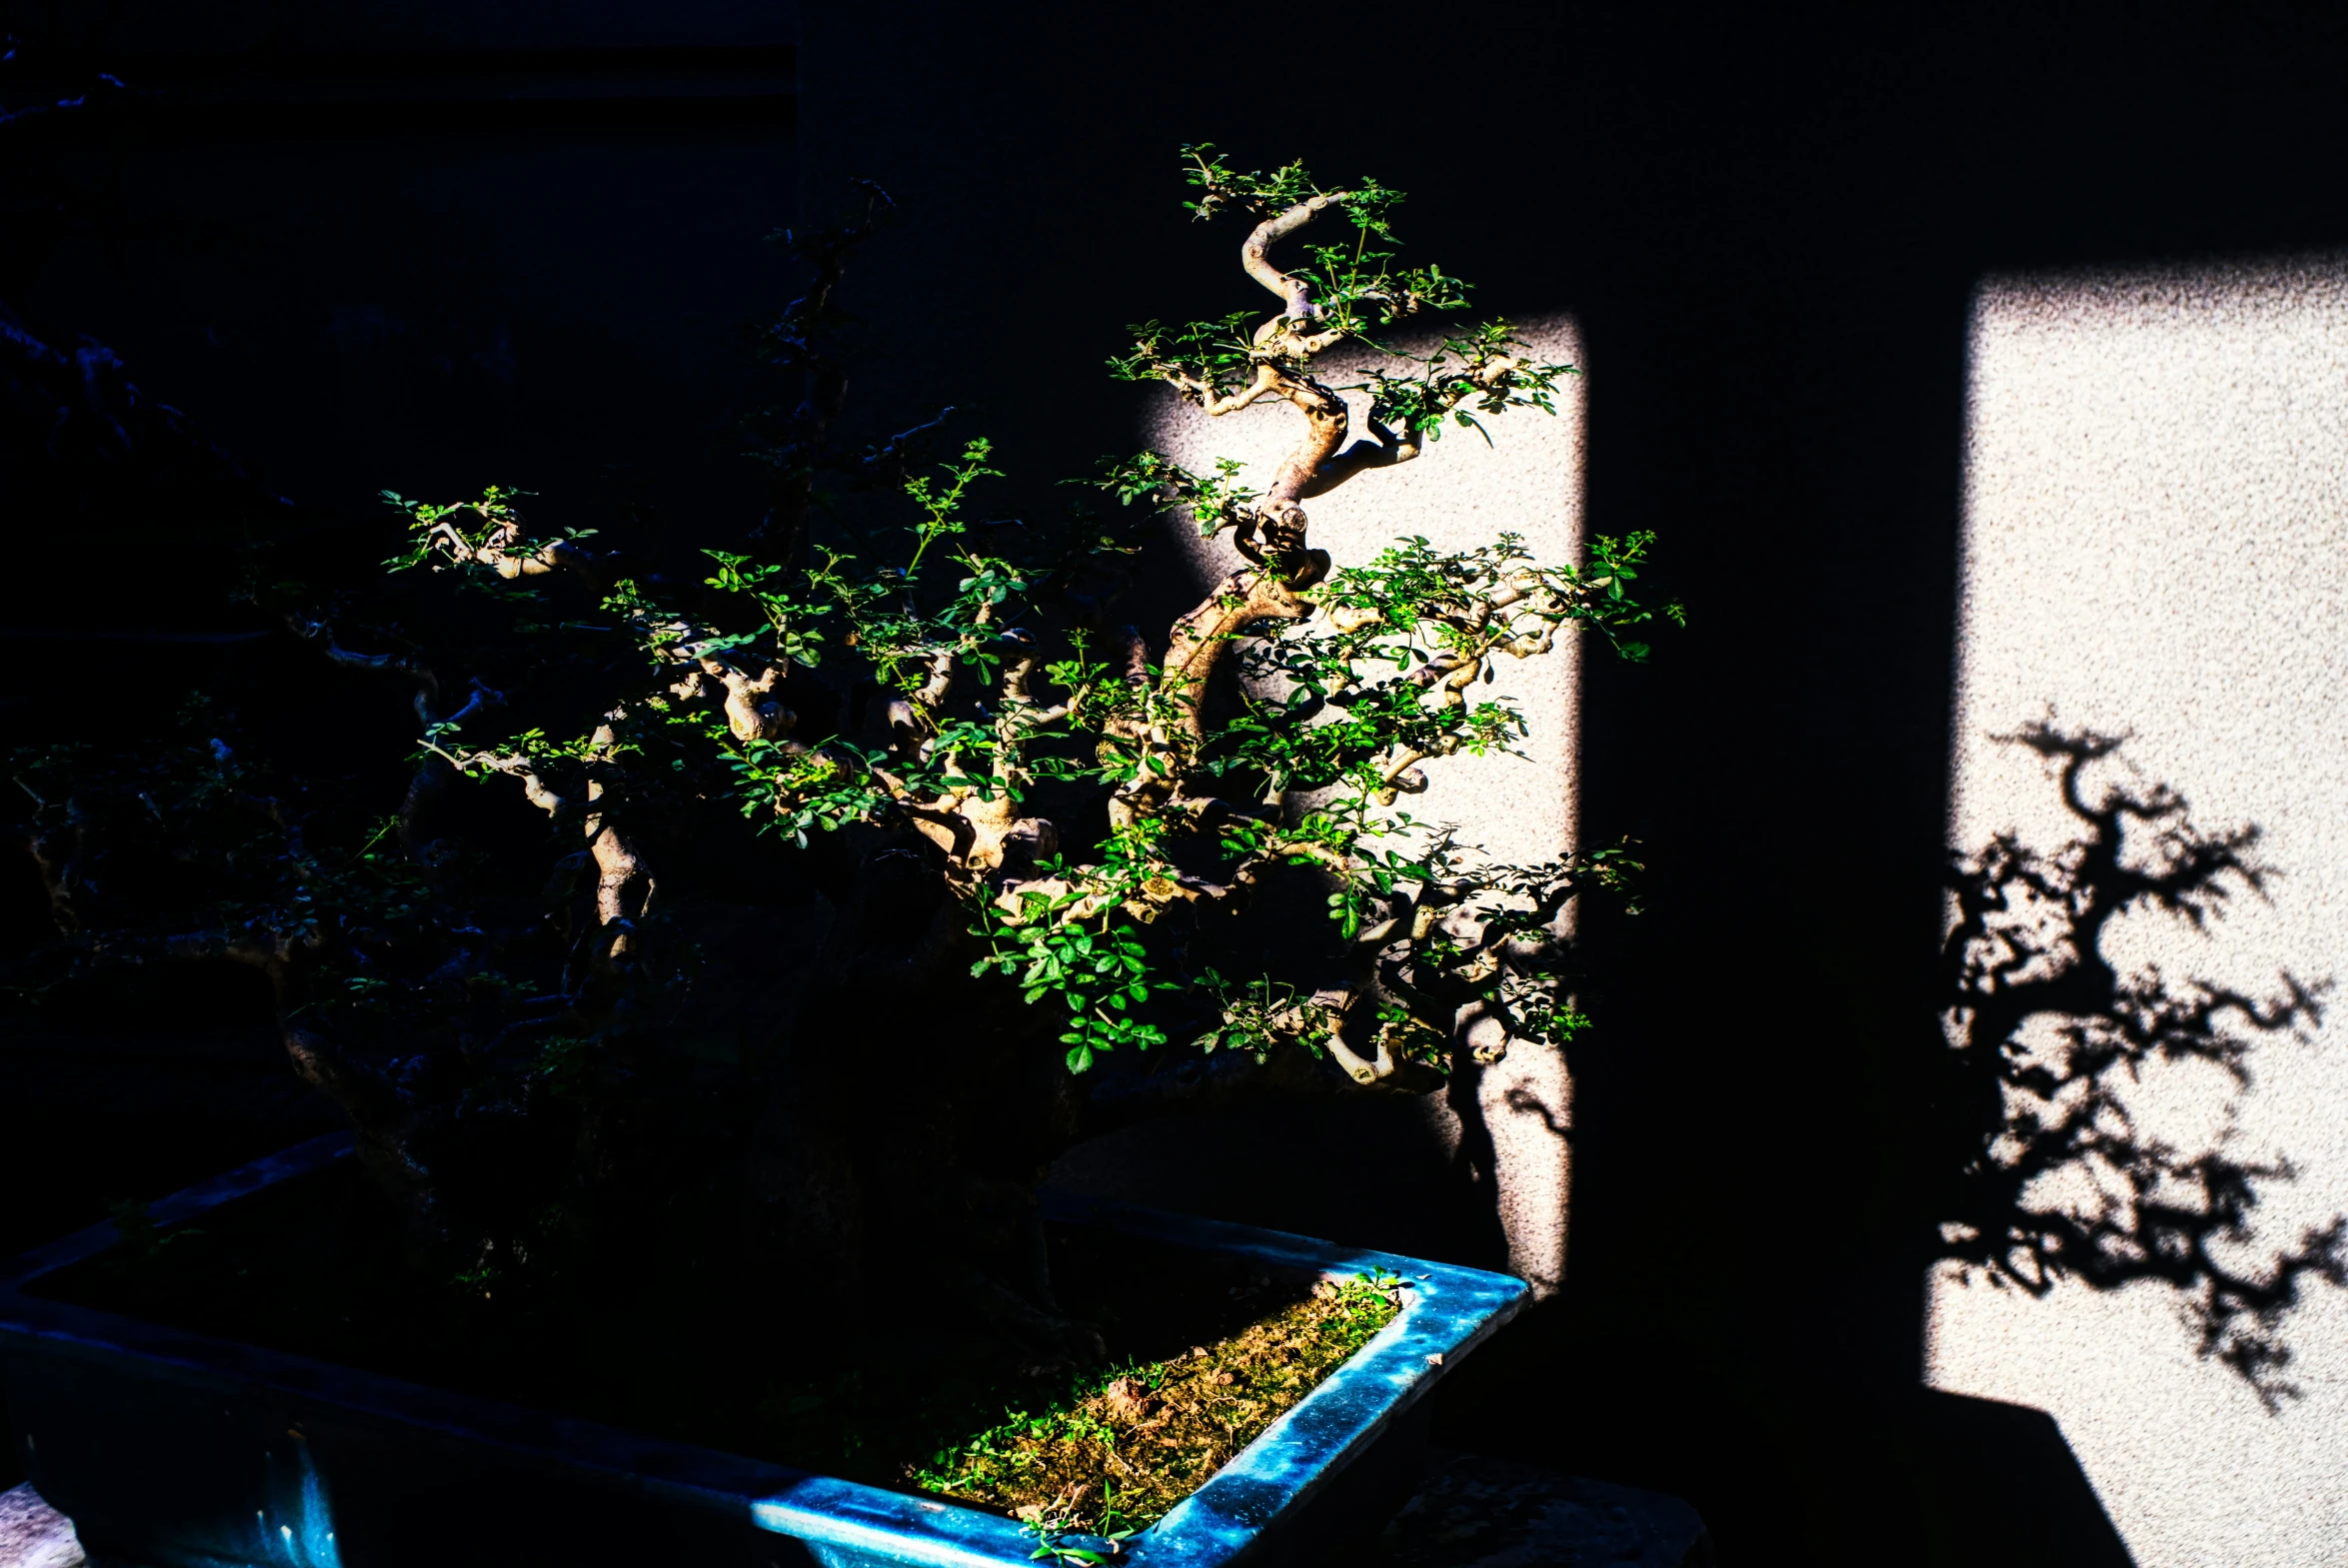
(171, 1449)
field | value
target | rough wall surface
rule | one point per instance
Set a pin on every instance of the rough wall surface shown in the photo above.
(2156, 544)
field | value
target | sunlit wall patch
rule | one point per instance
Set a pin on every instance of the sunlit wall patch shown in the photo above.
(1460, 493)
(2155, 601)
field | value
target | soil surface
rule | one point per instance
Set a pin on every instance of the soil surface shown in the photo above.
(1117, 1452)
(1205, 1351)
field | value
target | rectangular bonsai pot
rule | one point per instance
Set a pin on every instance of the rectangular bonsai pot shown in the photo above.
(172, 1449)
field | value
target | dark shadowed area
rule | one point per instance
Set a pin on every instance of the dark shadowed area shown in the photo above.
(257, 263)
(1768, 231)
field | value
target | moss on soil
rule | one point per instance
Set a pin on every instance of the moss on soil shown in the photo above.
(1131, 1444)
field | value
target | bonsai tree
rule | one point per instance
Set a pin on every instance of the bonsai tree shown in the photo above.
(824, 875)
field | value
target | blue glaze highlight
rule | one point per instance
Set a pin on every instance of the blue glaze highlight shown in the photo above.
(77, 1377)
(305, 1535)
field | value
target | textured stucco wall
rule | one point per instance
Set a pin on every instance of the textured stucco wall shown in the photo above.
(1460, 494)
(2156, 542)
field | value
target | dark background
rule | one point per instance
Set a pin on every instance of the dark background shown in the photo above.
(1768, 230)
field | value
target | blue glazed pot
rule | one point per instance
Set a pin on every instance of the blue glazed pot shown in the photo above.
(175, 1450)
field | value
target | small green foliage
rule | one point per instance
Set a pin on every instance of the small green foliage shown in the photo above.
(1346, 702)
(790, 630)
(942, 507)
(1258, 1015)
(1374, 681)
(1071, 939)
(1213, 353)
(1348, 292)
(1214, 502)
(1209, 172)
(1478, 374)
(438, 535)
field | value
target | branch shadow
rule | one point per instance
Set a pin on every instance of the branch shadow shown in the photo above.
(2048, 1033)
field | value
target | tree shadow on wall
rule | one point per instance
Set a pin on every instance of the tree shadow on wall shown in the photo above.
(2060, 1181)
